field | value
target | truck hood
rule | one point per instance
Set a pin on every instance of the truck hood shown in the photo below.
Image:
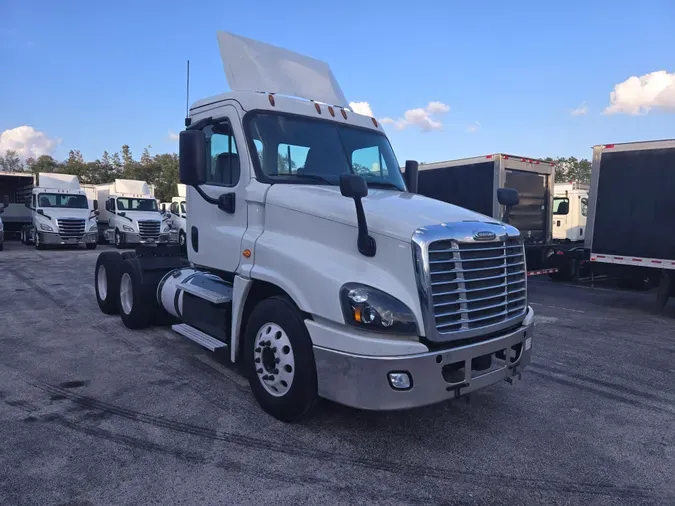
(57, 213)
(143, 215)
(391, 213)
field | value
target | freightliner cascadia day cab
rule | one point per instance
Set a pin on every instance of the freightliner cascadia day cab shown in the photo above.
(629, 231)
(474, 183)
(311, 260)
(130, 214)
(60, 214)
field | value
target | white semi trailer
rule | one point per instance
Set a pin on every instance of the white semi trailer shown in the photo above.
(60, 214)
(321, 281)
(130, 214)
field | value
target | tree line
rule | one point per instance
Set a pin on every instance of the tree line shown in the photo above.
(162, 169)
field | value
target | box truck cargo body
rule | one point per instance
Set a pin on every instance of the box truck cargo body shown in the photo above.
(473, 183)
(632, 196)
(17, 186)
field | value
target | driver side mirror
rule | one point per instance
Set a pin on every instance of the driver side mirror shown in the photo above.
(508, 197)
(411, 171)
(192, 157)
(95, 204)
(353, 186)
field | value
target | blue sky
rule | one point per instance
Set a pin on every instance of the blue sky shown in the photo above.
(100, 74)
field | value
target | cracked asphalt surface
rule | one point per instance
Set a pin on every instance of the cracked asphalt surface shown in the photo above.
(94, 413)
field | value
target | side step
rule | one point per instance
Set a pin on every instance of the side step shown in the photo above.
(204, 293)
(199, 337)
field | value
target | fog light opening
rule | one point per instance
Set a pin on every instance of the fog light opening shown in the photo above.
(400, 380)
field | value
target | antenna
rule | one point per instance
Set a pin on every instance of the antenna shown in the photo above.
(187, 97)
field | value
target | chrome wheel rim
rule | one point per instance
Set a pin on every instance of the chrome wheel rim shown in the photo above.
(102, 282)
(181, 239)
(274, 360)
(126, 293)
(118, 239)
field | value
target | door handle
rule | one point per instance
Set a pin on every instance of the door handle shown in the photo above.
(226, 202)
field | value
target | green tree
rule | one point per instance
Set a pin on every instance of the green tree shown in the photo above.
(44, 163)
(10, 162)
(571, 169)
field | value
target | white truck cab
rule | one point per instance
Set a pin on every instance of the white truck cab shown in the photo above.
(60, 213)
(130, 214)
(311, 259)
(570, 209)
(178, 214)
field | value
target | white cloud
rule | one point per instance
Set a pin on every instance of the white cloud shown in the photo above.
(173, 136)
(473, 128)
(639, 95)
(27, 142)
(582, 110)
(361, 108)
(419, 117)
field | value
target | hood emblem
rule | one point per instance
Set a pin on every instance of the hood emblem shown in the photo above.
(484, 235)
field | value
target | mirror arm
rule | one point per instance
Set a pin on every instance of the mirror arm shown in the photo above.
(206, 197)
(365, 243)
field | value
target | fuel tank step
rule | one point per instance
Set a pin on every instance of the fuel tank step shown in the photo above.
(205, 293)
(199, 337)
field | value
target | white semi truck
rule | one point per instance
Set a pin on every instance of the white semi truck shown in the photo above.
(130, 215)
(60, 214)
(313, 262)
(178, 214)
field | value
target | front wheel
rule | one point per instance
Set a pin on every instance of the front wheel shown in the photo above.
(119, 243)
(38, 243)
(280, 359)
(182, 241)
(91, 245)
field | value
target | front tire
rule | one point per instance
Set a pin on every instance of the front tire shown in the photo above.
(280, 359)
(119, 242)
(182, 241)
(91, 245)
(38, 242)
(107, 281)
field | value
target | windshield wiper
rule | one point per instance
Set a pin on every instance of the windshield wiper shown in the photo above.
(383, 184)
(314, 177)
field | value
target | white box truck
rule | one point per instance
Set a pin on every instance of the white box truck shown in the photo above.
(17, 186)
(130, 215)
(322, 278)
(570, 211)
(60, 214)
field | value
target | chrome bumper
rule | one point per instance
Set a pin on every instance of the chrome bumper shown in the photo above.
(56, 239)
(132, 238)
(362, 381)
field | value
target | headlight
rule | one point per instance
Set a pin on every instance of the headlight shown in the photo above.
(46, 228)
(167, 227)
(371, 309)
(93, 228)
(128, 229)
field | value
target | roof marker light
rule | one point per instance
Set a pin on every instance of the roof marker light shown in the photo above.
(374, 122)
(317, 107)
(488, 156)
(609, 146)
(506, 157)
(271, 99)
(344, 113)
(331, 111)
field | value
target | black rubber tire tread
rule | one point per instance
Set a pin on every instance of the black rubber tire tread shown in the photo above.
(91, 245)
(128, 254)
(302, 395)
(144, 303)
(113, 263)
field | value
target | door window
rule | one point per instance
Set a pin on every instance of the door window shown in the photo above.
(223, 164)
(369, 162)
(584, 207)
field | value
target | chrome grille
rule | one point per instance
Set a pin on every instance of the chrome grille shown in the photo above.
(148, 229)
(475, 284)
(71, 228)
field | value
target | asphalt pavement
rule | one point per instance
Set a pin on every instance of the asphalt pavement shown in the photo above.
(93, 413)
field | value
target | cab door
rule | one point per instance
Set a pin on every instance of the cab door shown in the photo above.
(214, 235)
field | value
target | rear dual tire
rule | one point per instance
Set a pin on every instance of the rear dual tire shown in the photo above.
(137, 296)
(107, 280)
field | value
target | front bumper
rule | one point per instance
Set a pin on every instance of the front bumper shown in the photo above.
(55, 239)
(133, 238)
(362, 381)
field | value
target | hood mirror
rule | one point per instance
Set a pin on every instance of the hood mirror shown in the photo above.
(508, 197)
(355, 187)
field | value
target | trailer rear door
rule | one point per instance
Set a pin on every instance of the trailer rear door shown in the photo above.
(635, 204)
(530, 215)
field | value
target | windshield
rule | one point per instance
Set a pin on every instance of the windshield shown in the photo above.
(561, 205)
(129, 204)
(62, 200)
(293, 149)
(183, 210)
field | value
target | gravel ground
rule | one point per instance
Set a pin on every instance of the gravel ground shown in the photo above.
(93, 413)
